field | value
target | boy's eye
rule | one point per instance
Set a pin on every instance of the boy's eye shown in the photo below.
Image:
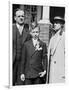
(35, 32)
(20, 16)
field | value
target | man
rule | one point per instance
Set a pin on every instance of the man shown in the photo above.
(56, 53)
(34, 59)
(20, 36)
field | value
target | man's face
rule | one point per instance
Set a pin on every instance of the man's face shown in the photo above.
(57, 26)
(19, 17)
(35, 33)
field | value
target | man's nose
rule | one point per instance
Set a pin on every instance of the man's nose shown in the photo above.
(21, 18)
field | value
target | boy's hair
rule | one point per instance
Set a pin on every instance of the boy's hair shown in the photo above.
(33, 26)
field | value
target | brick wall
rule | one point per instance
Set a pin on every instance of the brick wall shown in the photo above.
(44, 33)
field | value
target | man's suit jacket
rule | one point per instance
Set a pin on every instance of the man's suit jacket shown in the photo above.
(19, 40)
(33, 62)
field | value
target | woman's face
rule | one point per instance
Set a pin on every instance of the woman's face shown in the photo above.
(57, 26)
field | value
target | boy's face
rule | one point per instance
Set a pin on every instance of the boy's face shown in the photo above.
(35, 33)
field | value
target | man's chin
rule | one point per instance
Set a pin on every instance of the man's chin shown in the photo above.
(21, 24)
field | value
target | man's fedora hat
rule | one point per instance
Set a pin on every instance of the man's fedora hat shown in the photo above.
(58, 19)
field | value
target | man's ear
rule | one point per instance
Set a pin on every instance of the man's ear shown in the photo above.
(15, 18)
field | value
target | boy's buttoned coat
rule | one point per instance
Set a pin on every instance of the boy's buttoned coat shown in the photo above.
(33, 62)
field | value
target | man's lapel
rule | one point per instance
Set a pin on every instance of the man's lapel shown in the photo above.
(25, 33)
(32, 48)
(16, 29)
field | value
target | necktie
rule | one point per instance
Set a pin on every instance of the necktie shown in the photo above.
(20, 29)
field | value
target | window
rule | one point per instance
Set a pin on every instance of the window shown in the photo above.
(30, 13)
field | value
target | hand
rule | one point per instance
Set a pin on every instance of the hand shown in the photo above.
(42, 73)
(22, 77)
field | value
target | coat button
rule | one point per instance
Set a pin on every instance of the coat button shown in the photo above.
(54, 62)
(63, 77)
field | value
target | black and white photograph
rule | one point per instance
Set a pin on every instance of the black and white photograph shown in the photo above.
(34, 48)
(38, 44)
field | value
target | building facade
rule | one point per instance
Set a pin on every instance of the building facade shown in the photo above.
(43, 15)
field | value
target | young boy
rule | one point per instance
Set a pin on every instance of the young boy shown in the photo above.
(34, 58)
